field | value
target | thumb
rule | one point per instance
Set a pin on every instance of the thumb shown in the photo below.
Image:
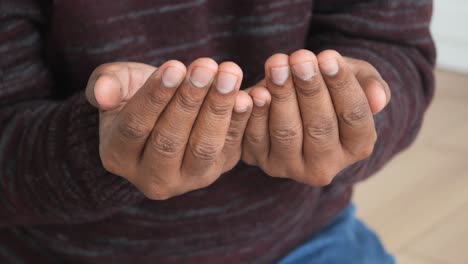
(112, 84)
(377, 93)
(375, 87)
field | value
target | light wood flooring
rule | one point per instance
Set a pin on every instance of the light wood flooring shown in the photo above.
(419, 202)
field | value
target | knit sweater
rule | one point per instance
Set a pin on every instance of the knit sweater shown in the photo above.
(59, 205)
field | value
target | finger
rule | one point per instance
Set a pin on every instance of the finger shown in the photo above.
(256, 143)
(285, 122)
(203, 159)
(112, 83)
(240, 116)
(375, 87)
(318, 114)
(134, 123)
(166, 145)
(355, 120)
(375, 93)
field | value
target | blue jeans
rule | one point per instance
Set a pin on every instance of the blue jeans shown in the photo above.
(345, 241)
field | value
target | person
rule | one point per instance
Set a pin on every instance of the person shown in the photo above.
(202, 131)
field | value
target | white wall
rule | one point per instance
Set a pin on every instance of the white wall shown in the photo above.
(450, 30)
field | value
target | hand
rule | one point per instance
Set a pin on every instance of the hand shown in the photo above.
(312, 124)
(169, 130)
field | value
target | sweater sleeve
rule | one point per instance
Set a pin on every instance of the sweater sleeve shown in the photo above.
(50, 170)
(394, 37)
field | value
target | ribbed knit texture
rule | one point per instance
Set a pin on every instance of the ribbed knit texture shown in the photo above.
(59, 205)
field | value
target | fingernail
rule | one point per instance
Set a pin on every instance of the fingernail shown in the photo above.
(226, 82)
(200, 77)
(259, 102)
(172, 77)
(304, 71)
(279, 75)
(330, 67)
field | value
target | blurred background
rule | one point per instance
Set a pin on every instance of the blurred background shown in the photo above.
(419, 202)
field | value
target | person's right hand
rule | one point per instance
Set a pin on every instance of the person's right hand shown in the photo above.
(169, 130)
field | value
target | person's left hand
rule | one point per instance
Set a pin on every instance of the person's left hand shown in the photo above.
(313, 123)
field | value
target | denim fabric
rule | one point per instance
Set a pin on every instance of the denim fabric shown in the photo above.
(345, 241)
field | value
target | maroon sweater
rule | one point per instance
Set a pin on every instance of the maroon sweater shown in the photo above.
(58, 204)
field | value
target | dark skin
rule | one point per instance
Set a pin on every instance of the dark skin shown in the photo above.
(172, 129)
(318, 120)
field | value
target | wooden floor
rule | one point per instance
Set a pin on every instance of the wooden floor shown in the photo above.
(419, 202)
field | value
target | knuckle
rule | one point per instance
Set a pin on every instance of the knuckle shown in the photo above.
(154, 101)
(206, 151)
(284, 96)
(321, 130)
(323, 177)
(363, 147)
(156, 193)
(310, 89)
(236, 131)
(187, 103)
(357, 114)
(131, 126)
(254, 138)
(166, 146)
(340, 85)
(234, 135)
(323, 180)
(259, 115)
(286, 135)
(219, 111)
(158, 188)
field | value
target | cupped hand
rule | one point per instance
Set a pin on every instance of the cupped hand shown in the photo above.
(173, 129)
(313, 115)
